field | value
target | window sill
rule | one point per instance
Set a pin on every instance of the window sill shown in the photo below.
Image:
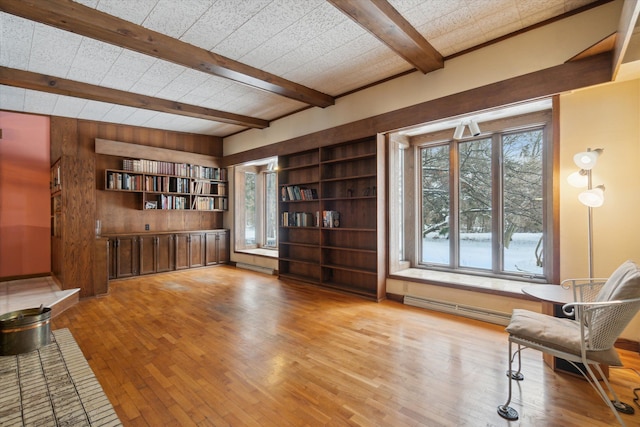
(269, 253)
(506, 287)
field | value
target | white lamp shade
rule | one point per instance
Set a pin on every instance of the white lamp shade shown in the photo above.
(593, 198)
(578, 179)
(474, 128)
(457, 134)
(587, 159)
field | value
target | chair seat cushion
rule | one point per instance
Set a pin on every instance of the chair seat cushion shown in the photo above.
(557, 333)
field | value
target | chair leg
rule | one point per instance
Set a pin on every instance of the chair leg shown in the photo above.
(615, 405)
(506, 411)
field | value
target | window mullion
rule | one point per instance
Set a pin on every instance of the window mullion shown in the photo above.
(454, 205)
(497, 207)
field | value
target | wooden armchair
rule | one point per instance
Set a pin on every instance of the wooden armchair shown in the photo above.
(601, 311)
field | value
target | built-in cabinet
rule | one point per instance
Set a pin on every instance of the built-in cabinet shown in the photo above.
(217, 247)
(138, 254)
(332, 217)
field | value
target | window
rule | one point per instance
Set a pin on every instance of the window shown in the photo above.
(482, 204)
(250, 219)
(271, 210)
(256, 210)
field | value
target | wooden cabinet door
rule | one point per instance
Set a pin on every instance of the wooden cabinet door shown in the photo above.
(211, 248)
(165, 252)
(148, 258)
(223, 247)
(182, 251)
(196, 249)
(127, 256)
(113, 254)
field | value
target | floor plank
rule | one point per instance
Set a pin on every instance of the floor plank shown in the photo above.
(223, 346)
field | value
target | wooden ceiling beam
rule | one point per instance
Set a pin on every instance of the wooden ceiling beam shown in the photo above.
(92, 23)
(385, 22)
(50, 84)
(626, 26)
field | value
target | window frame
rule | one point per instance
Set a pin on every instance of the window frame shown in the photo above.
(495, 129)
(260, 169)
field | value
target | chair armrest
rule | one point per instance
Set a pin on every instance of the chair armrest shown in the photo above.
(584, 289)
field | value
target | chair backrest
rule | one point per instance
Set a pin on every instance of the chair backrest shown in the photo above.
(623, 284)
(607, 322)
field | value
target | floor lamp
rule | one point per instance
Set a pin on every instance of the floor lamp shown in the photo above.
(592, 197)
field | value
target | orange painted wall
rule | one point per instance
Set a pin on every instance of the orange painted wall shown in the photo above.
(25, 228)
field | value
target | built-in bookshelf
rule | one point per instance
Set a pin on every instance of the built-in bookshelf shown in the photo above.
(171, 186)
(335, 237)
(56, 198)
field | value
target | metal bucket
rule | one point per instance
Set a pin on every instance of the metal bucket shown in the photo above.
(23, 331)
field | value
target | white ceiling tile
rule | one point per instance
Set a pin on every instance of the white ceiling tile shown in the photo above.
(140, 117)
(421, 12)
(68, 106)
(16, 35)
(536, 6)
(53, 50)
(12, 98)
(274, 18)
(95, 110)
(210, 88)
(93, 60)
(222, 19)
(322, 20)
(159, 75)
(39, 102)
(174, 18)
(118, 114)
(127, 70)
(184, 83)
(132, 11)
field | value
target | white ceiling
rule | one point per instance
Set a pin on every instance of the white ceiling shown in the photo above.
(309, 42)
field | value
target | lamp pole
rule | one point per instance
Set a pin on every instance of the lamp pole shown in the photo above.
(590, 228)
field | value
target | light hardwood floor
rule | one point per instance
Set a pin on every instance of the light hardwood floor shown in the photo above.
(227, 347)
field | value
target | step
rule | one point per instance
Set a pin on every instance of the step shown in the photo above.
(33, 292)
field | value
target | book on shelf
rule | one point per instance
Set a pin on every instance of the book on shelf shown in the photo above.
(330, 219)
(298, 219)
(295, 192)
(204, 203)
(177, 169)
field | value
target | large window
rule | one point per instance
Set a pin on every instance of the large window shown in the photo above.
(482, 203)
(256, 210)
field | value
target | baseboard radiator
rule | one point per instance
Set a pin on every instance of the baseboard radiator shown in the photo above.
(477, 313)
(252, 267)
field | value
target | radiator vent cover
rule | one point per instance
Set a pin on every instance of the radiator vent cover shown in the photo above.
(491, 316)
(252, 267)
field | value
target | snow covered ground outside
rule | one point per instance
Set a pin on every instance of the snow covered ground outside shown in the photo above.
(475, 251)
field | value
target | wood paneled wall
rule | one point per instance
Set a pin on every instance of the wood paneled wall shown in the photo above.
(85, 200)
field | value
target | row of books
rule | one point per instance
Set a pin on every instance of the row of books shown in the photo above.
(172, 202)
(209, 203)
(178, 169)
(294, 192)
(203, 187)
(124, 181)
(299, 219)
(330, 219)
(166, 184)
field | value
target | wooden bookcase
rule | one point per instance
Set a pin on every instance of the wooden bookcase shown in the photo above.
(349, 253)
(189, 187)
